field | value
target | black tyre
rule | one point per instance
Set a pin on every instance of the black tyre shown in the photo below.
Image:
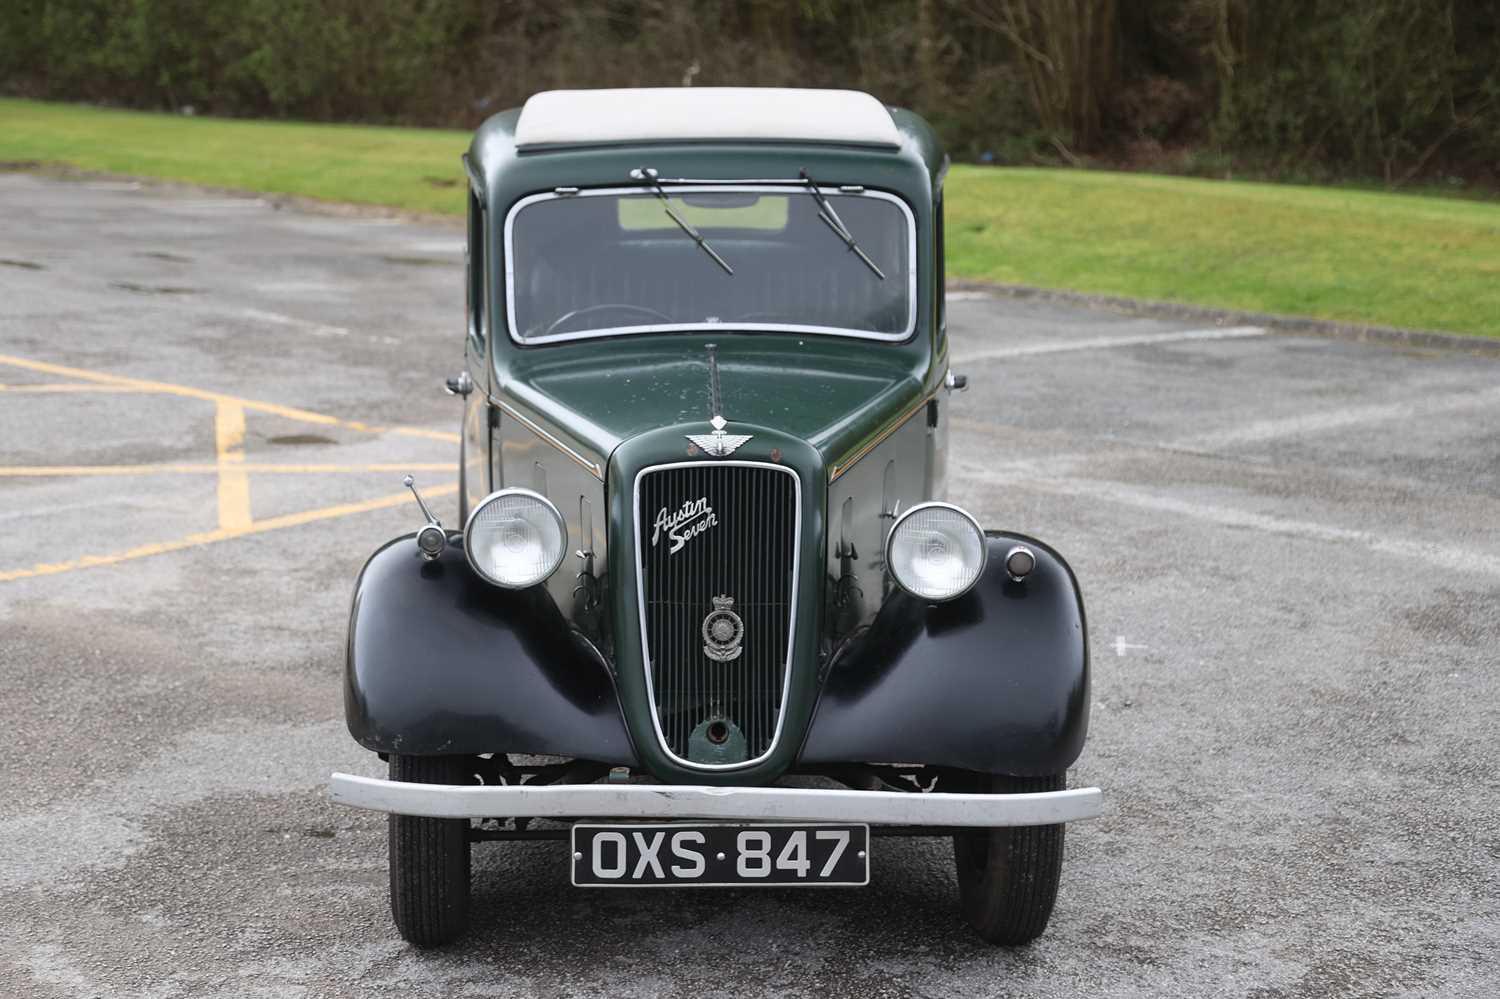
(430, 858)
(1007, 878)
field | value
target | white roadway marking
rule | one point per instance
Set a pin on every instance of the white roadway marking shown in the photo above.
(213, 205)
(306, 325)
(310, 327)
(1338, 419)
(1122, 646)
(1445, 556)
(1106, 343)
(454, 247)
(1261, 431)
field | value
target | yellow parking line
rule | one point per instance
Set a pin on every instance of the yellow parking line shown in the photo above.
(230, 465)
(234, 484)
(212, 468)
(210, 537)
(70, 387)
(275, 409)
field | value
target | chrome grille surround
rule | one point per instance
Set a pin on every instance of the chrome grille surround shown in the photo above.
(688, 657)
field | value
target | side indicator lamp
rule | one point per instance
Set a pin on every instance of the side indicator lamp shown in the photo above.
(431, 539)
(1019, 562)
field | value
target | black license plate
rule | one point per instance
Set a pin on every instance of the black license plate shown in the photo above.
(679, 854)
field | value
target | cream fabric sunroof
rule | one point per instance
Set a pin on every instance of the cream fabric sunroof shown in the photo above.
(764, 114)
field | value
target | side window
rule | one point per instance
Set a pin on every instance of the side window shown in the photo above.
(940, 277)
(474, 260)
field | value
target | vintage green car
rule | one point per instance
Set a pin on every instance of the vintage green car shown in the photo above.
(709, 620)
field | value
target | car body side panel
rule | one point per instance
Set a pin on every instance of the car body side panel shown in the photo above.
(995, 681)
(474, 451)
(526, 460)
(862, 503)
(440, 662)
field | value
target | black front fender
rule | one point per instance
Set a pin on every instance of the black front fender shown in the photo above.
(441, 662)
(995, 681)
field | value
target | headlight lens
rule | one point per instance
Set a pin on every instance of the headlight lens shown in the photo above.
(515, 538)
(936, 551)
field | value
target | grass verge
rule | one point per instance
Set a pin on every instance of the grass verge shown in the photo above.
(413, 169)
(1332, 253)
(1367, 257)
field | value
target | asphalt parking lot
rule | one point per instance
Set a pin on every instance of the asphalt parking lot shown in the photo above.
(1290, 549)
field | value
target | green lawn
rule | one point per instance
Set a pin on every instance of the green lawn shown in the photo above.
(1361, 256)
(411, 168)
(1389, 259)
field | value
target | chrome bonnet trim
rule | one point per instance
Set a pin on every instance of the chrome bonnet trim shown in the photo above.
(549, 438)
(791, 640)
(850, 459)
(757, 804)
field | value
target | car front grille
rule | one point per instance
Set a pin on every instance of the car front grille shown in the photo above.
(727, 530)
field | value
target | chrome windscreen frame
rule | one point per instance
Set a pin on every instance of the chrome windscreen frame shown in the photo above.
(791, 639)
(679, 188)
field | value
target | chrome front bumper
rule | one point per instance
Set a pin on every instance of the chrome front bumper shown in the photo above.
(750, 804)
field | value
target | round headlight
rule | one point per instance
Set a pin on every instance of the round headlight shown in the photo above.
(515, 538)
(936, 551)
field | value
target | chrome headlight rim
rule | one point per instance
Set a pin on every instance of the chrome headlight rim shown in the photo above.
(984, 549)
(548, 505)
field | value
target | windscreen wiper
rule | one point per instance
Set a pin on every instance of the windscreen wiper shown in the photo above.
(832, 220)
(648, 175)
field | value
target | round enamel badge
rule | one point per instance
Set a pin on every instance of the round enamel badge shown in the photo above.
(723, 631)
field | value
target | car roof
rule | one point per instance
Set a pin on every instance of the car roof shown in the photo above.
(501, 169)
(687, 114)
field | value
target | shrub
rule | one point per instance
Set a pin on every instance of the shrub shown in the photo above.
(1398, 89)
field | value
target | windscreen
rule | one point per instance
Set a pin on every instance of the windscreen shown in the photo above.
(599, 263)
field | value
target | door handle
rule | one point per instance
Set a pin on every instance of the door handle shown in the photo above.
(459, 384)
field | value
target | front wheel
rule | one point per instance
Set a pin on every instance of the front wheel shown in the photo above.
(1007, 877)
(430, 858)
